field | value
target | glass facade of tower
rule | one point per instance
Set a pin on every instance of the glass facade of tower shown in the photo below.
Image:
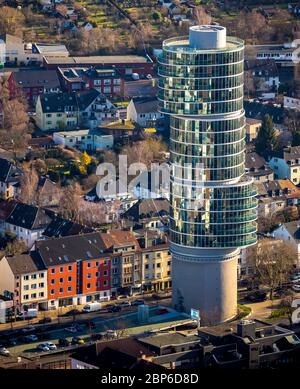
(213, 204)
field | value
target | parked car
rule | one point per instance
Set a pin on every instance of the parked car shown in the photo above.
(111, 334)
(30, 338)
(20, 316)
(294, 278)
(122, 297)
(98, 336)
(78, 340)
(125, 304)
(45, 320)
(51, 346)
(256, 297)
(4, 352)
(42, 347)
(296, 288)
(73, 312)
(64, 342)
(114, 308)
(28, 329)
(137, 302)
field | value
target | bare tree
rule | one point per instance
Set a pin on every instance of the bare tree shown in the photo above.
(14, 130)
(70, 201)
(272, 260)
(14, 247)
(201, 16)
(28, 185)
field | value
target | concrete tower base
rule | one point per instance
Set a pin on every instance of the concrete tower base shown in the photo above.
(205, 280)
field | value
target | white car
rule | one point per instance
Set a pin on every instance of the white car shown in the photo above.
(296, 288)
(73, 330)
(51, 346)
(43, 347)
(4, 352)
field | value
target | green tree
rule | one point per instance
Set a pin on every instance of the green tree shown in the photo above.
(266, 141)
(156, 16)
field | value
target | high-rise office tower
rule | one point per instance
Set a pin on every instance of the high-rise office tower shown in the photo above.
(213, 203)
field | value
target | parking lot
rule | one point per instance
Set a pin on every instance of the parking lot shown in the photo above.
(123, 324)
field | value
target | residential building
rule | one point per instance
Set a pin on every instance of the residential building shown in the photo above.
(26, 223)
(282, 54)
(106, 81)
(144, 111)
(290, 233)
(122, 131)
(257, 167)
(25, 277)
(126, 353)
(33, 83)
(43, 142)
(60, 227)
(156, 267)
(90, 140)
(10, 176)
(148, 213)
(264, 74)
(124, 64)
(252, 129)
(126, 261)
(79, 270)
(291, 103)
(275, 196)
(174, 350)
(71, 110)
(248, 344)
(205, 241)
(256, 110)
(49, 194)
(286, 164)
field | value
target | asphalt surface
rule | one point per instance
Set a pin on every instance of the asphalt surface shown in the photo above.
(103, 321)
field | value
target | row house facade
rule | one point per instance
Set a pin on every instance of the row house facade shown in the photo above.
(275, 195)
(24, 278)
(79, 270)
(126, 261)
(156, 267)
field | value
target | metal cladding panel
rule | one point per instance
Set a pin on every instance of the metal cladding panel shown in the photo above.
(207, 37)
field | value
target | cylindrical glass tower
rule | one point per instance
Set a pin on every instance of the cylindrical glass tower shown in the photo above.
(213, 203)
